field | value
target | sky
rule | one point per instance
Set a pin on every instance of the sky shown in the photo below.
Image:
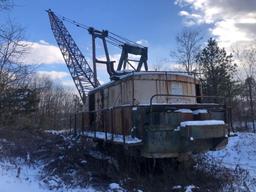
(152, 23)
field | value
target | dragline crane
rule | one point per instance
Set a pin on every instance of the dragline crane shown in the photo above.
(152, 114)
(85, 77)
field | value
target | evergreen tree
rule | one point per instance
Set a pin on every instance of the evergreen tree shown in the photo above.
(217, 70)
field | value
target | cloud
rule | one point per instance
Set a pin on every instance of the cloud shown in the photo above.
(54, 75)
(68, 83)
(143, 42)
(60, 78)
(232, 21)
(42, 52)
(184, 13)
(191, 18)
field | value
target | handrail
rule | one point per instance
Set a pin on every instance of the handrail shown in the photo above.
(227, 109)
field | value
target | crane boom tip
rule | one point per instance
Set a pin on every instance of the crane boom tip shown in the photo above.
(48, 10)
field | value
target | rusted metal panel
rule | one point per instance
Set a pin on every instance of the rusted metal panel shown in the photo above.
(203, 132)
(107, 121)
(117, 121)
(122, 121)
(98, 101)
(127, 120)
(106, 98)
(98, 121)
(161, 89)
(186, 116)
(191, 89)
(114, 96)
(181, 88)
(161, 141)
(86, 121)
(127, 92)
(138, 90)
(143, 90)
(202, 116)
(177, 88)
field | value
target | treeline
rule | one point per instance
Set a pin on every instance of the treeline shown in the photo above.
(27, 101)
(228, 76)
(38, 104)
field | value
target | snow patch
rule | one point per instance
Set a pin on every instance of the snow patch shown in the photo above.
(116, 137)
(20, 177)
(176, 187)
(240, 151)
(190, 188)
(195, 112)
(58, 132)
(200, 111)
(202, 123)
(115, 187)
(183, 111)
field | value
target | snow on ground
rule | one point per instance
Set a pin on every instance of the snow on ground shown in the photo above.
(58, 132)
(12, 181)
(20, 177)
(190, 188)
(240, 151)
(115, 187)
(25, 178)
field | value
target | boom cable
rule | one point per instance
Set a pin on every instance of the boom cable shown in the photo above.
(112, 38)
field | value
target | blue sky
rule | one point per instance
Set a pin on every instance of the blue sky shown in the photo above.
(155, 22)
(158, 23)
(141, 19)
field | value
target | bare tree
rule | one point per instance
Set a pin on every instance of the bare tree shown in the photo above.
(56, 104)
(15, 97)
(6, 4)
(188, 46)
(246, 58)
(13, 73)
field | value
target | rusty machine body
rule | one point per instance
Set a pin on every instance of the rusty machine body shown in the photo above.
(156, 114)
